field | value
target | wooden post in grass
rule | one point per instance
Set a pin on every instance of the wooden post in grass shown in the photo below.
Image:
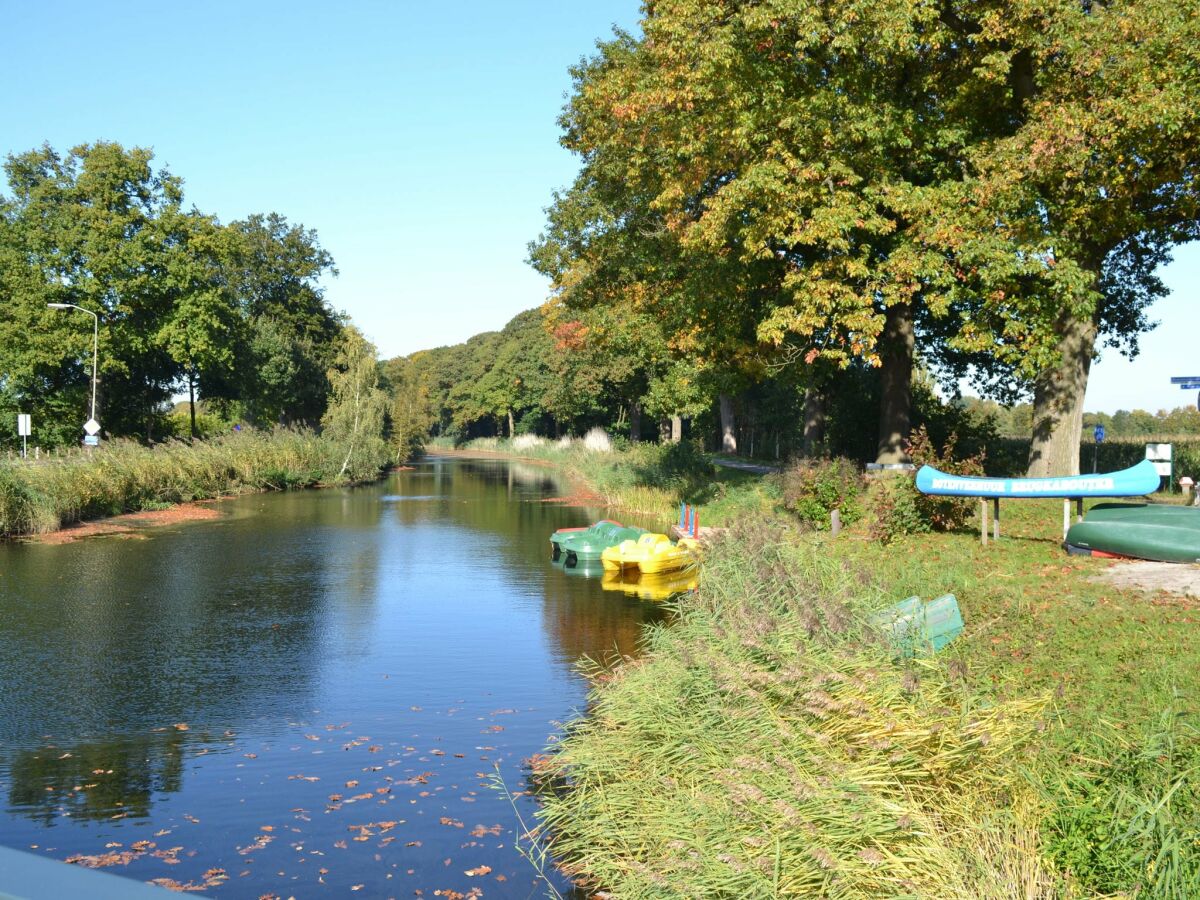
(835, 522)
(1066, 516)
(983, 521)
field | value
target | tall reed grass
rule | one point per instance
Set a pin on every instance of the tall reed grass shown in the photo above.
(124, 476)
(768, 745)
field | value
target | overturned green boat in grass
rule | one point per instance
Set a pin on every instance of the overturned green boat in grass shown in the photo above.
(577, 545)
(1143, 531)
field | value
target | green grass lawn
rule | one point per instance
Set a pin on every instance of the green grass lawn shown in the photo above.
(1037, 618)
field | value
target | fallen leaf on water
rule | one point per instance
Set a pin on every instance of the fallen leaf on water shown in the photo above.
(102, 860)
(181, 726)
(480, 870)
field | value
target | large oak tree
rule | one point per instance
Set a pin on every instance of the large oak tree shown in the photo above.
(990, 183)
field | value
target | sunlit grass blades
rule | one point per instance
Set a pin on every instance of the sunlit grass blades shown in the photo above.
(769, 745)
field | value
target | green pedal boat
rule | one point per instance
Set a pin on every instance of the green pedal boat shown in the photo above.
(1143, 531)
(579, 545)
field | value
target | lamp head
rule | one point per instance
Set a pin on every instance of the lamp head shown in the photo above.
(59, 305)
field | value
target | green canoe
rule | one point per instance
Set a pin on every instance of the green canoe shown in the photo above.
(1144, 531)
(577, 545)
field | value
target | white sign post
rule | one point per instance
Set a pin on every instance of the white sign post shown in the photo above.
(24, 429)
(1162, 455)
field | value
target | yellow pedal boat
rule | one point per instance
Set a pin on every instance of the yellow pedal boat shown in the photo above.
(649, 554)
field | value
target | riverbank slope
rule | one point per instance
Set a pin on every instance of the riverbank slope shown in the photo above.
(123, 477)
(678, 780)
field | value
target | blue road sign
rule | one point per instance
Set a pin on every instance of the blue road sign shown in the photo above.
(1185, 379)
(1190, 385)
(1098, 433)
(90, 440)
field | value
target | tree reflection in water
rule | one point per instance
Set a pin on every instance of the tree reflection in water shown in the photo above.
(98, 780)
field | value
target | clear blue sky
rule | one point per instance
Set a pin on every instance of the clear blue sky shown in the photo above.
(420, 140)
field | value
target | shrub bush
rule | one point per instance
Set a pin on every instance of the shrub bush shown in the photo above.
(813, 489)
(902, 509)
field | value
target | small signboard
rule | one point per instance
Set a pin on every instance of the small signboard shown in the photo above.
(91, 441)
(1161, 455)
(91, 426)
(1098, 434)
(24, 425)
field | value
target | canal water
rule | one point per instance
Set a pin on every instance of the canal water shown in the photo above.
(315, 694)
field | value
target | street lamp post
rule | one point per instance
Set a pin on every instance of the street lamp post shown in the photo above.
(95, 346)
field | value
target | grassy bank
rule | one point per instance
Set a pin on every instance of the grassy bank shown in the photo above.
(127, 477)
(682, 780)
(768, 745)
(649, 479)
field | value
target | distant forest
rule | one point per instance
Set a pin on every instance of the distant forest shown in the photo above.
(542, 376)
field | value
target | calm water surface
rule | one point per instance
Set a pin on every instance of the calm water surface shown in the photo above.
(310, 693)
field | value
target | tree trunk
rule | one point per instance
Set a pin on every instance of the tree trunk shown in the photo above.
(895, 406)
(1058, 402)
(192, 401)
(728, 433)
(814, 422)
(676, 429)
(510, 423)
(635, 421)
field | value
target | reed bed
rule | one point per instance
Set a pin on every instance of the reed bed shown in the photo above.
(768, 744)
(125, 477)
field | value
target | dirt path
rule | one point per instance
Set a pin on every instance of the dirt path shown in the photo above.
(1174, 578)
(756, 468)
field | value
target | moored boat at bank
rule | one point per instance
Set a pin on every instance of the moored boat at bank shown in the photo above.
(650, 554)
(1142, 531)
(576, 545)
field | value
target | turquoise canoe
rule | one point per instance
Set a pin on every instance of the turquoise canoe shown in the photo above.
(576, 545)
(1135, 481)
(1141, 531)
